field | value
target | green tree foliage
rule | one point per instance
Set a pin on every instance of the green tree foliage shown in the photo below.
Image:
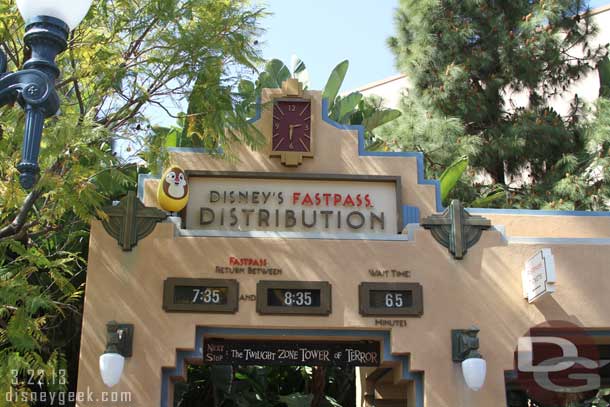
(453, 178)
(579, 180)
(352, 109)
(266, 386)
(601, 399)
(450, 177)
(465, 59)
(582, 179)
(444, 144)
(126, 62)
(441, 138)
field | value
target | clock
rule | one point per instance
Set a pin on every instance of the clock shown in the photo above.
(292, 125)
(292, 130)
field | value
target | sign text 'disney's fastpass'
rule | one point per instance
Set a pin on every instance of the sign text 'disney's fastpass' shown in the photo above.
(293, 205)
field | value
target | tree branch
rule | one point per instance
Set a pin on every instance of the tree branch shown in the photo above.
(18, 224)
(79, 97)
(133, 47)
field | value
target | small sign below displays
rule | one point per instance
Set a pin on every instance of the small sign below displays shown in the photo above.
(538, 275)
(396, 299)
(218, 351)
(293, 297)
(200, 295)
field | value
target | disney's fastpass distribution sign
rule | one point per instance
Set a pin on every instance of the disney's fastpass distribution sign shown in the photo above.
(325, 203)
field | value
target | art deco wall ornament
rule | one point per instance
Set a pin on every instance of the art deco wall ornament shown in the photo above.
(292, 124)
(173, 191)
(456, 229)
(130, 221)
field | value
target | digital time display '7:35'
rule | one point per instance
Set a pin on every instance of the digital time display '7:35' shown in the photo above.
(200, 295)
(184, 294)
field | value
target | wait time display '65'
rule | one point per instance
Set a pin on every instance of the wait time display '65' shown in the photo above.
(397, 299)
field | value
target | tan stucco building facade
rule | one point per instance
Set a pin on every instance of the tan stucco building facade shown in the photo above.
(483, 289)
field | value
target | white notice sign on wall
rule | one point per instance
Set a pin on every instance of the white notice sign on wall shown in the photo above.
(538, 276)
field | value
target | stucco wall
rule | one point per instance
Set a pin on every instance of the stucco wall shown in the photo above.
(483, 289)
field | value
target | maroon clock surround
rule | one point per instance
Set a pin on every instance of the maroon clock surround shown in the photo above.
(291, 125)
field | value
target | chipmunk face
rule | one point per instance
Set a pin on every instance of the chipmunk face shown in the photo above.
(175, 184)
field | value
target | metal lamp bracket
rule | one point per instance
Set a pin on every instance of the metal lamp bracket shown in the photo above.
(120, 336)
(34, 88)
(464, 344)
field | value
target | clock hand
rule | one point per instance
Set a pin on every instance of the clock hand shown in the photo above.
(291, 127)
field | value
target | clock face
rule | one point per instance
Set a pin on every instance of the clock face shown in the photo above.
(291, 125)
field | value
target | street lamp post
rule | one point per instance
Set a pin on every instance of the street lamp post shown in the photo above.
(48, 24)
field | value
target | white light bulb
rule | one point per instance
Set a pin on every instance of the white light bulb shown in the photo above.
(474, 371)
(70, 12)
(111, 368)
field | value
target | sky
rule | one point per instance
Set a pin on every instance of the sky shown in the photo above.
(598, 3)
(325, 32)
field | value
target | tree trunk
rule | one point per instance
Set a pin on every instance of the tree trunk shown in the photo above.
(318, 385)
(498, 173)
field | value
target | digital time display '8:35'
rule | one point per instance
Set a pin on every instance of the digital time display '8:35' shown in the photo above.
(279, 297)
(293, 297)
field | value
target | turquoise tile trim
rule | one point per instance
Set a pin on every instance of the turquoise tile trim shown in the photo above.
(538, 212)
(362, 152)
(410, 214)
(141, 179)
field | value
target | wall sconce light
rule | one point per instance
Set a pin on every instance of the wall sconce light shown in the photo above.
(465, 350)
(119, 346)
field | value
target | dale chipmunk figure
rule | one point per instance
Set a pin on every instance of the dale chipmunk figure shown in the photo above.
(173, 190)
